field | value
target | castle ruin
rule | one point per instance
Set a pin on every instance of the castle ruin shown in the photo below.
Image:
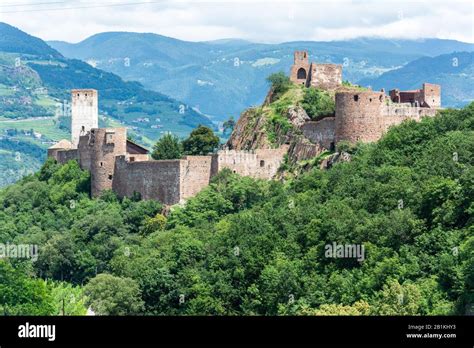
(361, 115)
(116, 163)
(125, 167)
(324, 76)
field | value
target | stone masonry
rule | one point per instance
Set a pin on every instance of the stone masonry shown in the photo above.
(324, 76)
(125, 167)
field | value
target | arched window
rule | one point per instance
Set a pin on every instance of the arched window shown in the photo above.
(356, 97)
(301, 74)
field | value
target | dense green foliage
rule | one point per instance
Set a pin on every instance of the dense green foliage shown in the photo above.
(280, 83)
(168, 147)
(318, 103)
(245, 246)
(201, 141)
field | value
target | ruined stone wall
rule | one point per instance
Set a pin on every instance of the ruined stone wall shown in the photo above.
(394, 114)
(300, 65)
(84, 113)
(195, 175)
(158, 180)
(325, 76)
(320, 132)
(359, 116)
(259, 163)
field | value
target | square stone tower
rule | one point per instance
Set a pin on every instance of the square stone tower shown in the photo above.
(300, 68)
(84, 113)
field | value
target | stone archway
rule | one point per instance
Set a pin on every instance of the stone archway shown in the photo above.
(301, 74)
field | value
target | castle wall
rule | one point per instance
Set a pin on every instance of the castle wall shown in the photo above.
(260, 163)
(195, 175)
(325, 76)
(65, 156)
(84, 113)
(394, 114)
(320, 132)
(358, 116)
(158, 180)
(62, 155)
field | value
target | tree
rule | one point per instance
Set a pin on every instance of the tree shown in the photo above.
(21, 295)
(318, 103)
(168, 147)
(201, 141)
(110, 295)
(280, 83)
(229, 125)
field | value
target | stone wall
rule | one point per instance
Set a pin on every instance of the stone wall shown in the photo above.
(394, 114)
(259, 163)
(66, 156)
(195, 175)
(158, 180)
(320, 132)
(325, 76)
(62, 155)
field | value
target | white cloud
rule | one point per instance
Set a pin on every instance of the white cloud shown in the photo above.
(263, 21)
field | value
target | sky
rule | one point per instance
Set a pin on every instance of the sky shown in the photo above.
(258, 21)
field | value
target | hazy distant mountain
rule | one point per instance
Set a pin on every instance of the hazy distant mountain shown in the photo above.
(35, 80)
(224, 77)
(454, 72)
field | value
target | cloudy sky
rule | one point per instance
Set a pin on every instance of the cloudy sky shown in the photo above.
(259, 21)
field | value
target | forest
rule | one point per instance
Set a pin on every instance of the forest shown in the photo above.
(251, 247)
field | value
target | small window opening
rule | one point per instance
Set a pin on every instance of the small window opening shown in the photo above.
(356, 97)
(262, 163)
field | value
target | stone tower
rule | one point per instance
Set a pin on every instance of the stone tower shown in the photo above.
(359, 116)
(300, 68)
(97, 152)
(84, 113)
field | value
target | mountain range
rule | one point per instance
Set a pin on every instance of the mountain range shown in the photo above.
(35, 84)
(221, 78)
